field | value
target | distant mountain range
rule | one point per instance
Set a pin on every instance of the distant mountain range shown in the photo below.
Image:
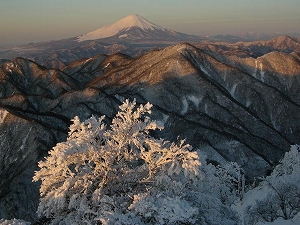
(132, 35)
(253, 49)
(247, 37)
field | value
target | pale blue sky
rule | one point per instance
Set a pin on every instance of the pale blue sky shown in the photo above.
(25, 21)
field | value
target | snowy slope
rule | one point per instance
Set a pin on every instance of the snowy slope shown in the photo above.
(280, 221)
(121, 25)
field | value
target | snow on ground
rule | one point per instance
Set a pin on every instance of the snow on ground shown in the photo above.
(195, 100)
(13, 222)
(185, 103)
(232, 91)
(9, 66)
(254, 195)
(185, 106)
(294, 221)
(250, 199)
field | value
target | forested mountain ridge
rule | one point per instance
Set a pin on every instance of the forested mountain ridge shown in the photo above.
(233, 108)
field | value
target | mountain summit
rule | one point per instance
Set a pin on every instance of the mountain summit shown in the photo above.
(132, 27)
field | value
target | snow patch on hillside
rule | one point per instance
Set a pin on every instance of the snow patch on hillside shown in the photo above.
(10, 67)
(185, 103)
(232, 91)
(123, 36)
(262, 73)
(195, 100)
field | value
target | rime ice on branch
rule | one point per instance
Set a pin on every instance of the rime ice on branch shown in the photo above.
(121, 174)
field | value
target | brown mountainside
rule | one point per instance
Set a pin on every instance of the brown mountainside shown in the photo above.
(233, 108)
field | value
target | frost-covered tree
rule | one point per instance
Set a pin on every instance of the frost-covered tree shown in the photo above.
(232, 177)
(122, 175)
(13, 222)
(280, 192)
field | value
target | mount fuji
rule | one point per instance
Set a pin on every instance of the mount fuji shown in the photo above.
(132, 35)
(134, 27)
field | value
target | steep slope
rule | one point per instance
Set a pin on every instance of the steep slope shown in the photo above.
(218, 103)
(238, 109)
(23, 142)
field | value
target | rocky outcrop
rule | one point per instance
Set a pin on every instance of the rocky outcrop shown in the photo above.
(232, 108)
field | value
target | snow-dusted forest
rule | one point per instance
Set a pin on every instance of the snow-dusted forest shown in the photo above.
(121, 174)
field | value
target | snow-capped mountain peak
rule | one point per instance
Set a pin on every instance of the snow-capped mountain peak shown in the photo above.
(124, 24)
(136, 20)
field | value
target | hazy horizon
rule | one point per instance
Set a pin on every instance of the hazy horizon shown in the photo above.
(26, 21)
